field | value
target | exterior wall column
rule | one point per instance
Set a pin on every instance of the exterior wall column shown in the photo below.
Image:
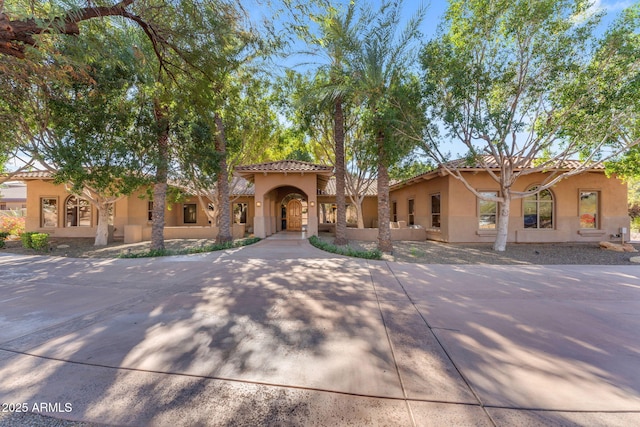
(259, 223)
(312, 214)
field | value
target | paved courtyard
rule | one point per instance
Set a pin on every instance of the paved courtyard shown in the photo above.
(280, 333)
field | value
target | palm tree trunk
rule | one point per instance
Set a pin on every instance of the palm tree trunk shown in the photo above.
(338, 134)
(384, 229)
(160, 186)
(224, 215)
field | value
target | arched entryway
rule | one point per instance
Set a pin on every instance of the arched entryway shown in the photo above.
(294, 212)
(275, 181)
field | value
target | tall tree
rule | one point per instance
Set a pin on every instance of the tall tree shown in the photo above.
(334, 43)
(525, 86)
(387, 88)
(101, 126)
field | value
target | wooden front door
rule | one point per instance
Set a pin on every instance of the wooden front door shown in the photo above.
(294, 215)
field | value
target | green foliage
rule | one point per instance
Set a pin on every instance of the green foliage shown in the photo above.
(527, 85)
(3, 237)
(202, 249)
(344, 250)
(26, 239)
(102, 124)
(35, 240)
(40, 241)
(409, 168)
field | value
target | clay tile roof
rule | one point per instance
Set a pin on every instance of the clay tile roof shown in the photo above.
(330, 189)
(284, 166)
(520, 163)
(33, 175)
(241, 187)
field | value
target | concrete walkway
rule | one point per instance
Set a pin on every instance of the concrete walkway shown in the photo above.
(280, 333)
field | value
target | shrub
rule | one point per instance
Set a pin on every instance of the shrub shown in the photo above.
(201, 249)
(40, 241)
(12, 224)
(3, 236)
(344, 250)
(635, 224)
(26, 239)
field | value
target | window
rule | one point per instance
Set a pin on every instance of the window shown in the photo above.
(538, 210)
(189, 211)
(435, 210)
(394, 211)
(150, 211)
(3, 206)
(487, 211)
(78, 212)
(240, 213)
(48, 212)
(588, 209)
(411, 216)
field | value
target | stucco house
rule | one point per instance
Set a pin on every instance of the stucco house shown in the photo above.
(300, 197)
(13, 196)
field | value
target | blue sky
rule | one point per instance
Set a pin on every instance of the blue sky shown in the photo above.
(434, 15)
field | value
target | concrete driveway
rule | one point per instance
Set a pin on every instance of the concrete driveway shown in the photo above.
(280, 333)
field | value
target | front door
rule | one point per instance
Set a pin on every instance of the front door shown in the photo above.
(294, 215)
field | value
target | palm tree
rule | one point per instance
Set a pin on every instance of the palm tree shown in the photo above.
(333, 88)
(382, 72)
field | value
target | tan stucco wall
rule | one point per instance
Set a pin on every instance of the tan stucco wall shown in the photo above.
(421, 194)
(11, 206)
(271, 188)
(132, 211)
(37, 189)
(460, 208)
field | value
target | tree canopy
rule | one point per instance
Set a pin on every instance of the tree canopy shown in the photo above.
(526, 86)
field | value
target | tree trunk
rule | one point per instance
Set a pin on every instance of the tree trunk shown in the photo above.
(357, 202)
(102, 231)
(14, 35)
(384, 229)
(160, 186)
(360, 214)
(224, 213)
(341, 213)
(500, 243)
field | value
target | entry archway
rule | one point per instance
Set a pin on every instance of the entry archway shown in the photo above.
(274, 181)
(293, 212)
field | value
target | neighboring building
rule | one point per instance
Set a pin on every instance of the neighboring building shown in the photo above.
(585, 207)
(299, 196)
(13, 196)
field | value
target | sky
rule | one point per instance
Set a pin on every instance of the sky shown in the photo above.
(435, 10)
(434, 16)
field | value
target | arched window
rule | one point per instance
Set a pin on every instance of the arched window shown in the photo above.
(78, 212)
(538, 209)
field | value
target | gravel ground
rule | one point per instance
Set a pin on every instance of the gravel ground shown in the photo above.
(30, 419)
(83, 248)
(428, 252)
(431, 252)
